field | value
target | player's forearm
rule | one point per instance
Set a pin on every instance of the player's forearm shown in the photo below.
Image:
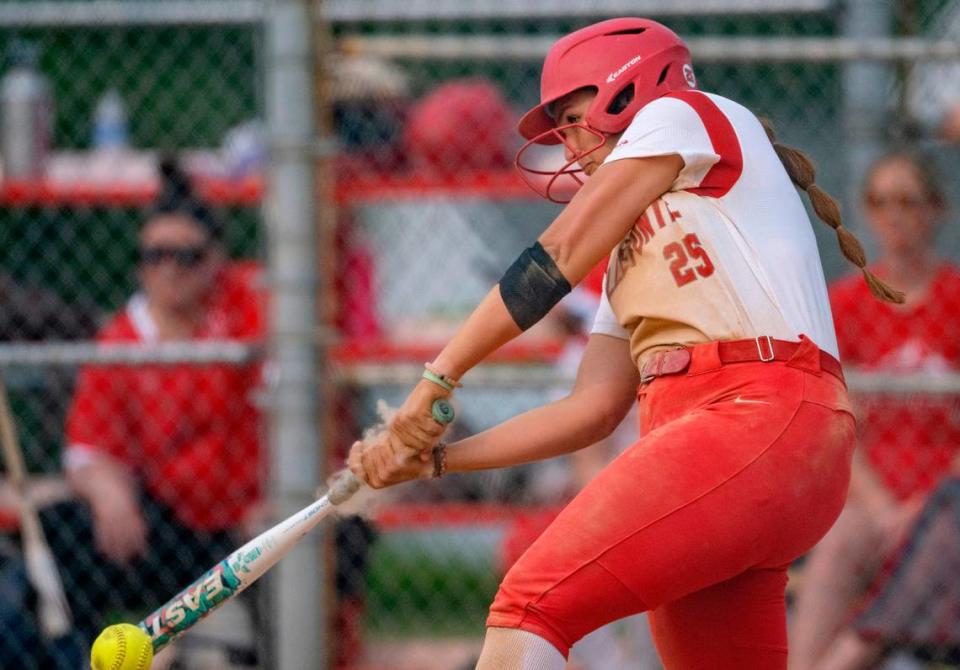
(486, 330)
(552, 430)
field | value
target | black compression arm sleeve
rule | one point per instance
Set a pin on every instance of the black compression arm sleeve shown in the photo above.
(532, 286)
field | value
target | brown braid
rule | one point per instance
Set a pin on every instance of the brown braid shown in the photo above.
(802, 173)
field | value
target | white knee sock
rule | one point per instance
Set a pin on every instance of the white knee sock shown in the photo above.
(512, 649)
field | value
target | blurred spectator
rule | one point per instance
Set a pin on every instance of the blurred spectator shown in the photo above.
(370, 100)
(35, 314)
(461, 126)
(165, 458)
(907, 445)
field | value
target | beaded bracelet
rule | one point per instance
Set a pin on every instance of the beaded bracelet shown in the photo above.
(432, 374)
(438, 380)
(439, 460)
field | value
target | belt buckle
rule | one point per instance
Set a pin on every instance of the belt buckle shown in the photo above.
(667, 362)
(764, 357)
(647, 373)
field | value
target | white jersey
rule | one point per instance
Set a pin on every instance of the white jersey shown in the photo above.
(728, 252)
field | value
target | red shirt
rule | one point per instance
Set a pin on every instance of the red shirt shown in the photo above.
(189, 432)
(908, 440)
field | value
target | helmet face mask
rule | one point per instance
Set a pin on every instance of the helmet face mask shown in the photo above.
(556, 184)
(611, 57)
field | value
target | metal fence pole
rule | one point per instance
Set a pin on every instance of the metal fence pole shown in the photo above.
(866, 84)
(297, 620)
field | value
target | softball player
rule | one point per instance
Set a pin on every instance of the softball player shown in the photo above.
(715, 316)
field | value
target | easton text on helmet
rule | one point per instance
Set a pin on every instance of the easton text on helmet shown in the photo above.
(623, 68)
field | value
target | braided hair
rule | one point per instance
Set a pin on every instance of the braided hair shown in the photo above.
(803, 174)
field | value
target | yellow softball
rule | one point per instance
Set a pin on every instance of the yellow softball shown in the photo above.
(122, 646)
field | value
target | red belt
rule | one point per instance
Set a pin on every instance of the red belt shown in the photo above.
(760, 349)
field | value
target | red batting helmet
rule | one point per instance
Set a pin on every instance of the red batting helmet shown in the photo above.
(613, 57)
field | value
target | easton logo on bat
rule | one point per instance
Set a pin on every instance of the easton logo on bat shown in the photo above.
(191, 604)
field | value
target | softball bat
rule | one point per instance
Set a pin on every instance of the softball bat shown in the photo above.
(248, 563)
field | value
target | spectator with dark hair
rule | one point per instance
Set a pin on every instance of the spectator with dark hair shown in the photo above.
(907, 446)
(165, 458)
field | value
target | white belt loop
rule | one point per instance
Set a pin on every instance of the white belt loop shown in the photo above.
(765, 358)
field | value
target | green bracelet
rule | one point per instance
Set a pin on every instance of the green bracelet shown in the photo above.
(438, 380)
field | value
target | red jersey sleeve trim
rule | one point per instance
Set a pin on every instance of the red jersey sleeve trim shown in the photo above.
(724, 174)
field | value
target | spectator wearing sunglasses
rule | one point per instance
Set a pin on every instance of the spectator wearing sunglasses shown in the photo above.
(908, 445)
(165, 458)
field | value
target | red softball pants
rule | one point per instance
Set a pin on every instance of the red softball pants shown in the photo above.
(741, 469)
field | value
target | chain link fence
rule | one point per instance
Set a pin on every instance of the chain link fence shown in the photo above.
(133, 216)
(132, 149)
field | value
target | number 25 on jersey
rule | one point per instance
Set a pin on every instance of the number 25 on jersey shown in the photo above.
(688, 261)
